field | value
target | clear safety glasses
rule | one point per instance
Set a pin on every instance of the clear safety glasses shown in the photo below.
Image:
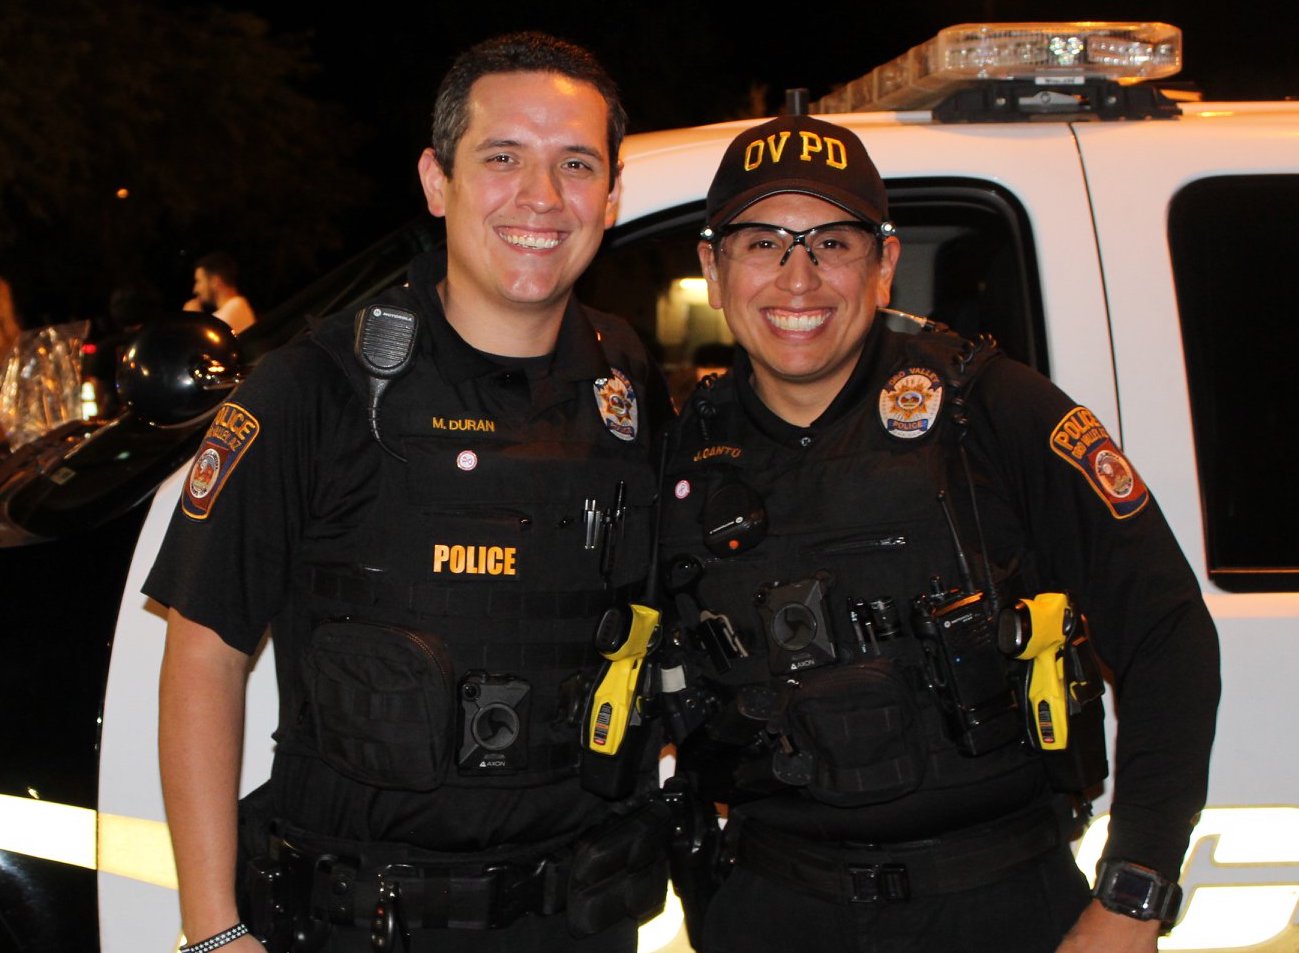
(831, 245)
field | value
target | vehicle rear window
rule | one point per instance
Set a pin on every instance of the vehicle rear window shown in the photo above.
(1234, 249)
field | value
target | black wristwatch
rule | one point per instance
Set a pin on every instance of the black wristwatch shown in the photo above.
(1138, 892)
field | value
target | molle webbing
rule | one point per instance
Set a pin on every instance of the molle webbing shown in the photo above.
(364, 589)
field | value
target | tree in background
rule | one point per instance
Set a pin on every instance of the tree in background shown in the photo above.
(133, 137)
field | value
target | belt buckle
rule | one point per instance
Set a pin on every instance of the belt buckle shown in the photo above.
(515, 890)
(880, 883)
(496, 876)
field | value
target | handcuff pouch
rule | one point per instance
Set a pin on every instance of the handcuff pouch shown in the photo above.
(620, 870)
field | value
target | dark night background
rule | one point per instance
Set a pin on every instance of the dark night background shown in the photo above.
(287, 133)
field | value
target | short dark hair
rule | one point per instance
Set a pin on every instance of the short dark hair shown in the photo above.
(519, 53)
(220, 265)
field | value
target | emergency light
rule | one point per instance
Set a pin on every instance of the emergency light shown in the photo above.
(1049, 54)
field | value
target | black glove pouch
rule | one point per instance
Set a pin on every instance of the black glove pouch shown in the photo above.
(382, 702)
(861, 725)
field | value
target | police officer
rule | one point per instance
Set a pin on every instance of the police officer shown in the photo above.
(431, 502)
(863, 522)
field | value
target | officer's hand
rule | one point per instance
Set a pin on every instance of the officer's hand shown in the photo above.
(1102, 931)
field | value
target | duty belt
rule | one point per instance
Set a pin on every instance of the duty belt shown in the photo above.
(892, 873)
(395, 898)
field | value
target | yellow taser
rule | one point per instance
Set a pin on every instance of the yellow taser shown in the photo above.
(1034, 630)
(614, 699)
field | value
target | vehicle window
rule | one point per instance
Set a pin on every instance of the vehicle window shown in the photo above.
(1233, 246)
(358, 279)
(967, 261)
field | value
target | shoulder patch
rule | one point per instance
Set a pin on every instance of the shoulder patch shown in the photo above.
(615, 399)
(231, 433)
(1083, 441)
(910, 401)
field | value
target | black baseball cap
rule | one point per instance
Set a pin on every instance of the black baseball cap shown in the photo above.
(797, 154)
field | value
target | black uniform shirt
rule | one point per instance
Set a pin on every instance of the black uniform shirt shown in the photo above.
(1125, 568)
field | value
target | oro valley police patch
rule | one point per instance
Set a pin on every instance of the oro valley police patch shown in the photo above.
(231, 433)
(615, 398)
(910, 401)
(1082, 440)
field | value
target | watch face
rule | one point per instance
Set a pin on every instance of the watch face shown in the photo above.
(1131, 889)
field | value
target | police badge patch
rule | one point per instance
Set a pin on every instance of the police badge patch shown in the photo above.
(910, 401)
(615, 398)
(1083, 440)
(231, 433)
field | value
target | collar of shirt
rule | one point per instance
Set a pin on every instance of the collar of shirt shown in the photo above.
(855, 390)
(577, 355)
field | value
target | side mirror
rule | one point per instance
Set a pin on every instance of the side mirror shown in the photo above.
(178, 368)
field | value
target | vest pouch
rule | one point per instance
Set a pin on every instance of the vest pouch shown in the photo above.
(620, 870)
(861, 724)
(382, 701)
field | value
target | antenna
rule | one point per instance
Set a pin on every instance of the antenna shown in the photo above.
(962, 564)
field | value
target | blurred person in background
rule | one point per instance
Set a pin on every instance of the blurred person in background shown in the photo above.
(216, 289)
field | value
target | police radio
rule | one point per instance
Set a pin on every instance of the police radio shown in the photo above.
(384, 346)
(965, 670)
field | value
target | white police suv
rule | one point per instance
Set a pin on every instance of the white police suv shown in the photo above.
(1136, 248)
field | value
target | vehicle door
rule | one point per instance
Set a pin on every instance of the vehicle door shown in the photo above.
(1195, 223)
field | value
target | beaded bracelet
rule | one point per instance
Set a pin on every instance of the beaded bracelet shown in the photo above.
(214, 942)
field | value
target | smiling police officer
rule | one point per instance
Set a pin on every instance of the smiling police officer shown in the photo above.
(431, 502)
(873, 527)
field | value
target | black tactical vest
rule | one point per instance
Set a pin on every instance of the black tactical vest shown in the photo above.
(452, 624)
(791, 544)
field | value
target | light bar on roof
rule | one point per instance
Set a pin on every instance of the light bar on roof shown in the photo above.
(1045, 53)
